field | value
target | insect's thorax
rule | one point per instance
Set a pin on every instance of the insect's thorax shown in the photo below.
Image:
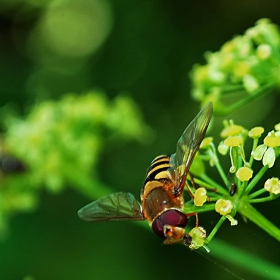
(158, 192)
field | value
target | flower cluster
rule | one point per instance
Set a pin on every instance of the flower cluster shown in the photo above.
(247, 64)
(71, 131)
(240, 188)
(59, 143)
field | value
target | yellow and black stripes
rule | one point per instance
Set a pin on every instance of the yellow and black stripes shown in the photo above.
(158, 169)
(156, 176)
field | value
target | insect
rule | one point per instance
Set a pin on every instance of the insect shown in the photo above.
(162, 200)
(233, 189)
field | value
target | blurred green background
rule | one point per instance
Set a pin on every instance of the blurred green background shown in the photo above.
(144, 49)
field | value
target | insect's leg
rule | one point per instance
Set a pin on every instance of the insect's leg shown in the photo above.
(195, 187)
(192, 180)
(183, 183)
(187, 239)
(189, 190)
(196, 217)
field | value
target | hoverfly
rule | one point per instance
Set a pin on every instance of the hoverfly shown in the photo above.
(162, 199)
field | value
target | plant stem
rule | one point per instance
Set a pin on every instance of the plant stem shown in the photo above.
(262, 91)
(257, 193)
(253, 215)
(195, 209)
(218, 165)
(215, 229)
(256, 179)
(255, 144)
(259, 200)
(212, 184)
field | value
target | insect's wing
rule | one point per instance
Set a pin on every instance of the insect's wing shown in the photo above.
(119, 206)
(188, 144)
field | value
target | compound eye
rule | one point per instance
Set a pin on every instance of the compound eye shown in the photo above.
(171, 218)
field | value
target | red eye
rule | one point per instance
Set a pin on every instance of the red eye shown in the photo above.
(170, 217)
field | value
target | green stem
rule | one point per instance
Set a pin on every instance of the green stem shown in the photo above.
(263, 199)
(212, 198)
(255, 144)
(262, 91)
(253, 215)
(259, 200)
(257, 193)
(230, 90)
(195, 209)
(235, 153)
(215, 229)
(208, 182)
(256, 179)
(218, 165)
(243, 187)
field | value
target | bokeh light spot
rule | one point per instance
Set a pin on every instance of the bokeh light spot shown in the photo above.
(73, 29)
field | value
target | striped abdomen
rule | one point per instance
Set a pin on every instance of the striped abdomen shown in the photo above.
(158, 190)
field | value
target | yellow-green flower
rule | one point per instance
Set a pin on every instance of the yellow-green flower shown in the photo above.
(265, 151)
(272, 140)
(198, 235)
(256, 132)
(269, 157)
(233, 141)
(264, 51)
(272, 185)
(250, 83)
(200, 196)
(259, 152)
(223, 148)
(206, 142)
(244, 173)
(223, 206)
(231, 130)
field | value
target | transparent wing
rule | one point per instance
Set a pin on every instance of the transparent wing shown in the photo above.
(114, 207)
(188, 145)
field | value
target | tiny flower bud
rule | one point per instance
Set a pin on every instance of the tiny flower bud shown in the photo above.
(200, 196)
(206, 142)
(233, 141)
(198, 235)
(232, 169)
(272, 185)
(264, 51)
(271, 140)
(244, 174)
(250, 83)
(231, 130)
(277, 127)
(259, 152)
(269, 157)
(256, 132)
(241, 68)
(216, 76)
(223, 148)
(223, 206)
